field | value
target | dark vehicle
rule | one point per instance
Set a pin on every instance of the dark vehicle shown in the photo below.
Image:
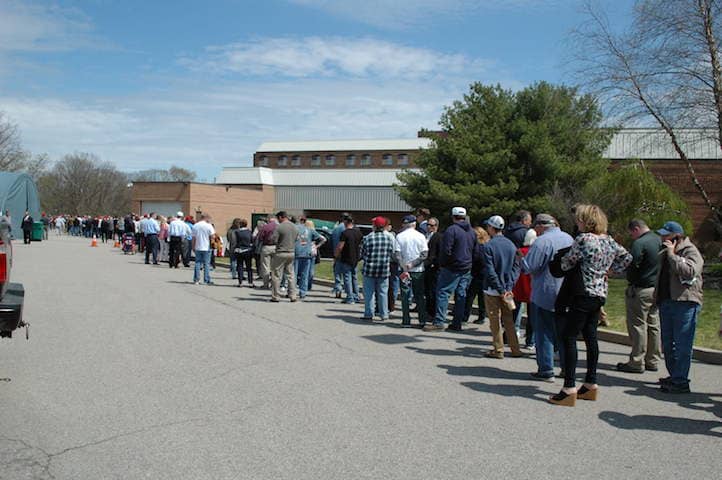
(326, 231)
(12, 295)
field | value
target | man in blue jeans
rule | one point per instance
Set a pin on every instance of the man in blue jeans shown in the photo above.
(544, 290)
(347, 255)
(335, 238)
(202, 233)
(455, 274)
(377, 249)
(679, 296)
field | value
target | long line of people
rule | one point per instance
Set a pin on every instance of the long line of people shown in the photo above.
(559, 280)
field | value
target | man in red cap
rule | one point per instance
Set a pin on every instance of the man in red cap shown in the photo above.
(376, 251)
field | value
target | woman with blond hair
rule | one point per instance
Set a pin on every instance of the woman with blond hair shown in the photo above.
(476, 285)
(596, 253)
(163, 239)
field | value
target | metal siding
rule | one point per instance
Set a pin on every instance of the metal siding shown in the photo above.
(654, 144)
(335, 198)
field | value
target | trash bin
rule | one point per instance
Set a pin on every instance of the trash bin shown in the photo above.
(37, 233)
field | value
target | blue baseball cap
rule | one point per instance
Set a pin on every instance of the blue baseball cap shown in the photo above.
(670, 228)
(408, 219)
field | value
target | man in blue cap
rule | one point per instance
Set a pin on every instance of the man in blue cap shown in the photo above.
(679, 297)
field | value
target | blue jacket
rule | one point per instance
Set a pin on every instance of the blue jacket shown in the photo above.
(516, 233)
(457, 247)
(501, 265)
(544, 286)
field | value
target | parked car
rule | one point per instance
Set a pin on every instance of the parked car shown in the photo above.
(12, 295)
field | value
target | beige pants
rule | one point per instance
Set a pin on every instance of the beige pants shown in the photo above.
(283, 263)
(499, 314)
(643, 327)
(267, 252)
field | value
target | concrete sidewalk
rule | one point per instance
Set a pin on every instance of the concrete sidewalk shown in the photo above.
(133, 372)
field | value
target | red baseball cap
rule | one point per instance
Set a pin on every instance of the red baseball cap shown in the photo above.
(378, 222)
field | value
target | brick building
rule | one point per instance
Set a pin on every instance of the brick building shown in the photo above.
(222, 202)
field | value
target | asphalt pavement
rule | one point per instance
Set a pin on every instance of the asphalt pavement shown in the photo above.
(133, 372)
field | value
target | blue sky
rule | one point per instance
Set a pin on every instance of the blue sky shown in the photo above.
(148, 84)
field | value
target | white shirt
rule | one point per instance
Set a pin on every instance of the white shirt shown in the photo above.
(202, 232)
(411, 243)
(178, 228)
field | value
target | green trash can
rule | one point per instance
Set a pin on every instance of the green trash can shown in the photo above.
(37, 233)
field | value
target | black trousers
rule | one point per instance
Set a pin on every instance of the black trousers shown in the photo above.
(583, 317)
(174, 251)
(152, 246)
(244, 261)
(430, 288)
(26, 236)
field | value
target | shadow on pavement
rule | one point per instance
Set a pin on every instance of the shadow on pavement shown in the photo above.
(662, 424)
(524, 391)
(392, 339)
(471, 352)
(486, 372)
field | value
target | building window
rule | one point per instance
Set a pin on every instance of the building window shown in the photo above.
(264, 161)
(388, 159)
(316, 161)
(366, 160)
(296, 161)
(351, 160)
(283, 161)
(330, 160)
(403, 159)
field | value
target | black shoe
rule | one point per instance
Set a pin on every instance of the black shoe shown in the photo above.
(452, 328)
(625, 367)
(542, 377)
(672, 388)
(665, 381)
(651, 369)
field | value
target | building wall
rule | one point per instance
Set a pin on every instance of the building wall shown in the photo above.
(359, 216)
(160, 192)
(675, 174)
(224, 203)
(305, 158)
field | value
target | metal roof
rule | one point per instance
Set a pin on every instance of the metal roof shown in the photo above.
(319, 177)
(345, 145)
(374, 199)
(654, 143)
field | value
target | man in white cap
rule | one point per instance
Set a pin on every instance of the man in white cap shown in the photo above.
(455, 259)
(502, 272)
(411, 250)
(177, 230)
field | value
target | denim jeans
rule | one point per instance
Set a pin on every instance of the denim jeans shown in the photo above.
(311, 274)
(303, 269)
(350, 284)
(679, 321)
(545, 338)
(234, 267)
(337, 277)
(203, 257)
(376, 288)
(448, 283)
(414, 286)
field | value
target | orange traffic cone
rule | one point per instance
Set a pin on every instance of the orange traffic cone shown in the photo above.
(116, 244)
(94, 242)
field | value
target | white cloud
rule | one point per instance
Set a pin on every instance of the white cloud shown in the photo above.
(26, 27)
(334, 56)
(402, 14)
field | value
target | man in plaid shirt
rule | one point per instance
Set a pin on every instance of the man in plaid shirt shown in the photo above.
(376, 251)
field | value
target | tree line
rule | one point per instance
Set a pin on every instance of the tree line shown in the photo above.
(78, 183)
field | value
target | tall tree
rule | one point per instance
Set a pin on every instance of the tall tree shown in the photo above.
(81, 183)
(173, 174)
(504, 150)
(663, 70)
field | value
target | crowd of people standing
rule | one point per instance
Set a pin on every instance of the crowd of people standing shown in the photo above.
(531, 265)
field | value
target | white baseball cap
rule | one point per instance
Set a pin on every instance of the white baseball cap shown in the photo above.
(458, 212)
(179, 214)
(496, 221)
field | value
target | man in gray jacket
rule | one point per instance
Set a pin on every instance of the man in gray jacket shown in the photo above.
(679, 297)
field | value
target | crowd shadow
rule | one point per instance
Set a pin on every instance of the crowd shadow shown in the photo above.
(659, 423)
(529, 392)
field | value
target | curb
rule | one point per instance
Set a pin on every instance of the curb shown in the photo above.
(701, 354)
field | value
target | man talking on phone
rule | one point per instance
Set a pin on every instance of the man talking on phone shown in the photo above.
(679, 297)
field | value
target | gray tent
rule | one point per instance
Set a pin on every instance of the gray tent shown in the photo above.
(18, 193)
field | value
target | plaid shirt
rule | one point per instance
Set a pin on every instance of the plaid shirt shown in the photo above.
(376, 251)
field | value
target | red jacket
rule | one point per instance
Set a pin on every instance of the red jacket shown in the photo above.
(522, 289)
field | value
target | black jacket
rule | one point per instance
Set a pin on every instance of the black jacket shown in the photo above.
(572, 285)
(432, 261)
(27, 223)
(516, 232)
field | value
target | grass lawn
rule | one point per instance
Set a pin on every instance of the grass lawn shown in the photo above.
(707, 324)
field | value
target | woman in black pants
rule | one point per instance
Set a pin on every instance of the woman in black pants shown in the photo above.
(244, 252)
(596, 253)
